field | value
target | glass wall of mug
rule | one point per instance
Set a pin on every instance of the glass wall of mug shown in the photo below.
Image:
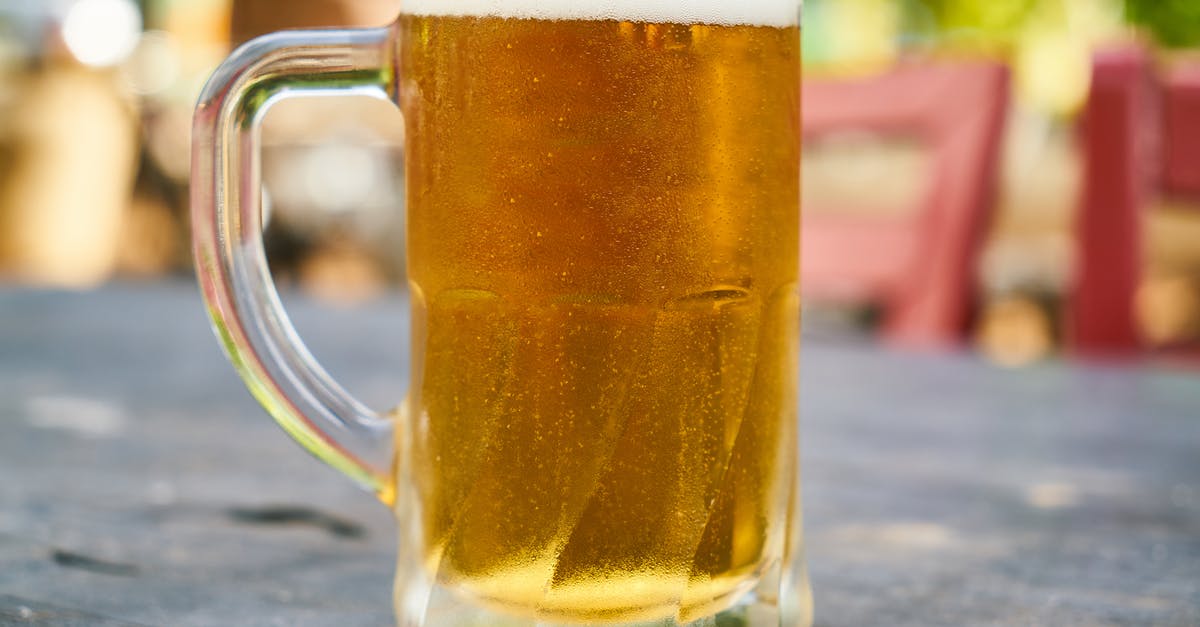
(602, 250)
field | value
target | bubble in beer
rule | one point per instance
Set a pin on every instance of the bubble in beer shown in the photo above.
(603, 214)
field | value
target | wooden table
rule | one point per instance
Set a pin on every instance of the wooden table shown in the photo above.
(141, 485)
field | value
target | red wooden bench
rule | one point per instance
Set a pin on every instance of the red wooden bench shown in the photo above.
(920, 269)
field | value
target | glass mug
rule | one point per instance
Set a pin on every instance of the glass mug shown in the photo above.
(602, 214)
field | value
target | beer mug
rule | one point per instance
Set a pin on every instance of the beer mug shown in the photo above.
(602, 240)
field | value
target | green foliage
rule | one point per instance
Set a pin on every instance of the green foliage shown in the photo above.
(984, 20)
(996, 17)
(1175, 23)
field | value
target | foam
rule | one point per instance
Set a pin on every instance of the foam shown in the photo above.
(756, 12)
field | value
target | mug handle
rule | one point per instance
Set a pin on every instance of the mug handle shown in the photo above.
(226, 196)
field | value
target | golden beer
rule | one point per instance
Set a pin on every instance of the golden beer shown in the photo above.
(602, 246)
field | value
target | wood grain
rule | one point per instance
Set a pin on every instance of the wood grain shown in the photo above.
(939, 490)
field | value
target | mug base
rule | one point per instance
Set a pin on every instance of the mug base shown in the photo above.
(778, 600)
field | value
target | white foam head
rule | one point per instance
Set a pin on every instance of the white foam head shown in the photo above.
(757, 12)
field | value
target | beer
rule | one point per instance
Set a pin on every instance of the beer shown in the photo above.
(602, 249)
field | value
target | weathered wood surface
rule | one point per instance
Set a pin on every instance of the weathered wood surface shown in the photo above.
(141, 485)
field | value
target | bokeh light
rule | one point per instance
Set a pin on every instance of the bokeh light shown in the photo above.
(102, 32)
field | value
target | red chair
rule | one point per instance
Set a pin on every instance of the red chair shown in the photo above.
(1140, 135)
(1119, 148)
(921, 269)
(1181, 132)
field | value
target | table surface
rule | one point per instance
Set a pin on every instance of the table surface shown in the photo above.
(141, 485)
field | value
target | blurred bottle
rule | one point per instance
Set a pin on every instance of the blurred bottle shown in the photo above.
(68, 141)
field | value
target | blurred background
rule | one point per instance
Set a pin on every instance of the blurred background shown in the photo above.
(96, 99)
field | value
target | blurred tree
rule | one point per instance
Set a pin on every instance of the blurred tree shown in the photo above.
(1174, 23)
(986, 22)
(1048, 42)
